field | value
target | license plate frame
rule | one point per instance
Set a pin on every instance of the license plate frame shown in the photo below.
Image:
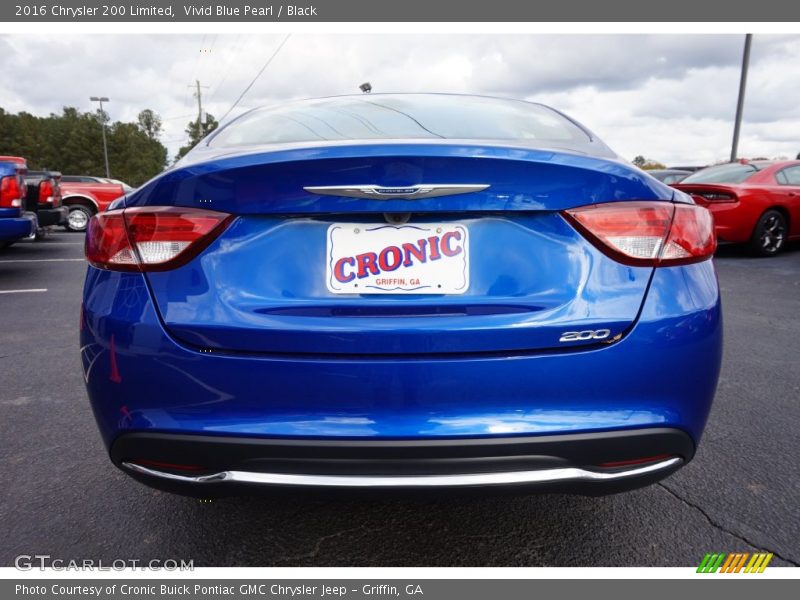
(409, 259)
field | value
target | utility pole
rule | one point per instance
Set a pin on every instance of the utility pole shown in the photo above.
(102, 99)
(201, 121)
(748, 38)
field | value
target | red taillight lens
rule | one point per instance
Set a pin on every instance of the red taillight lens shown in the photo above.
(107, 244)
(45, 191)
(714, 196)
(10, 192)
(691, 236)
(648, 233)
(151, 239)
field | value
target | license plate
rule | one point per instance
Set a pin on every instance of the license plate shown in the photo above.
(426, 258)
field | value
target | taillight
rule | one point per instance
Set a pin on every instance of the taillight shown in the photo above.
(45, 192)
(648, 233)
(57, 192)
(151, 239)
(10, 192)
(691, 237)
(715, 196)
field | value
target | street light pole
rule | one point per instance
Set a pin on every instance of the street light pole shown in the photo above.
(748, 38)
(102, 99)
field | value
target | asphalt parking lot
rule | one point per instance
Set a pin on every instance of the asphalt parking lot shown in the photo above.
(61, 496)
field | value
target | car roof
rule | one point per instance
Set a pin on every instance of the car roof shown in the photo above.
(765, 164)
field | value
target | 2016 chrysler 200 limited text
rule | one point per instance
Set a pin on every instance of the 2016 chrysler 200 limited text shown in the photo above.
(401, 291)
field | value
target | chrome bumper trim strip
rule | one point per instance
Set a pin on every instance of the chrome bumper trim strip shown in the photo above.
(569, 474)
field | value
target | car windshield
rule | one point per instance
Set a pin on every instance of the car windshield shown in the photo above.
(400, 117)
(730, 173)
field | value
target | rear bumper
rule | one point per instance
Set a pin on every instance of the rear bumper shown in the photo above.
(52, 216)
(586, 463)
(12, 229)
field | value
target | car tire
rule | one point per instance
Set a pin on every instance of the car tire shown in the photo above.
(78, 218)
(769, 235)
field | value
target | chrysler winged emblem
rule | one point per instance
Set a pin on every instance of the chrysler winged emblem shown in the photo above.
(412, 192)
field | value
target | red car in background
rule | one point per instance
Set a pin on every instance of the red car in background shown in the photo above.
(755, 202)
(86, 196)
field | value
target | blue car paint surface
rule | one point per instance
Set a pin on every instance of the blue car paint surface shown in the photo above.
(649, 378)
(245, 340)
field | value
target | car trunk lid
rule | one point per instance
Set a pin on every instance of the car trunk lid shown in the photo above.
(529, 281)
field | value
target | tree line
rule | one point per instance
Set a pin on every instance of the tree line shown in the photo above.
(72, 143)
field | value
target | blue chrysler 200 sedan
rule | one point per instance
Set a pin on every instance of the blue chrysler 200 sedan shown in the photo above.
(401, 291)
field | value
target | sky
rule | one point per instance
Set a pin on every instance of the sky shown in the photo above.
(670, 98)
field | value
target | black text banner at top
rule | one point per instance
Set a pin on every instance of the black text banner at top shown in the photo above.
(465, 11)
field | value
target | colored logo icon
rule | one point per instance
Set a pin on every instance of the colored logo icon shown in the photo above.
(735, 562)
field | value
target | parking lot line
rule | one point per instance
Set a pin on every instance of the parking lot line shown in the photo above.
(19, 260)
(22, 291)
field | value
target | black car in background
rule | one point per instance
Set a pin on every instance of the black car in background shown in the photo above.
(43, 198)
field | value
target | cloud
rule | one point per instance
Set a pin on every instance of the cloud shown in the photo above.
(669, 97)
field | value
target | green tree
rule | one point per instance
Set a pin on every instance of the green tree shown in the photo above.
(647, 163)
(150, 124)
(72, 142)
(196, 132)
(134, 153)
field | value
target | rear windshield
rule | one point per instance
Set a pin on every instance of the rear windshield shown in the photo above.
(400, 117)
(732, 173)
